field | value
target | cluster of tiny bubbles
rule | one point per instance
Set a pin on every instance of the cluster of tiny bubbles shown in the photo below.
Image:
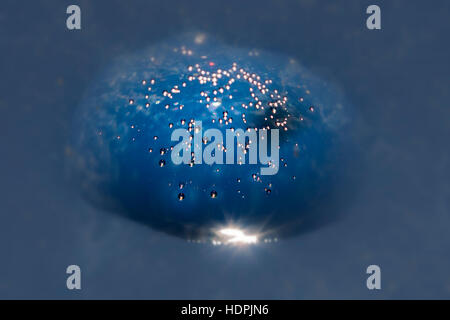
(177, 84)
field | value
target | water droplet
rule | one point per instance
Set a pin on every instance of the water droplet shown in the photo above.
(162, 151)
(268, 191)
(213, 194)
(162, 163)
(181, 185)
(181, 196)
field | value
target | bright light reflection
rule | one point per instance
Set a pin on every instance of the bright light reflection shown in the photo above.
(237, 236)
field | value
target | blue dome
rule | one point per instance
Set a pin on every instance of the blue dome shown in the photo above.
(123, 151)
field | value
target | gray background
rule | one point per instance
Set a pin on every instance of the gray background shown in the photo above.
(397, 80)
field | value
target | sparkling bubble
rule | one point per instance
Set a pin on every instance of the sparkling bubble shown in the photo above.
(181, 196)
(248, 90)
